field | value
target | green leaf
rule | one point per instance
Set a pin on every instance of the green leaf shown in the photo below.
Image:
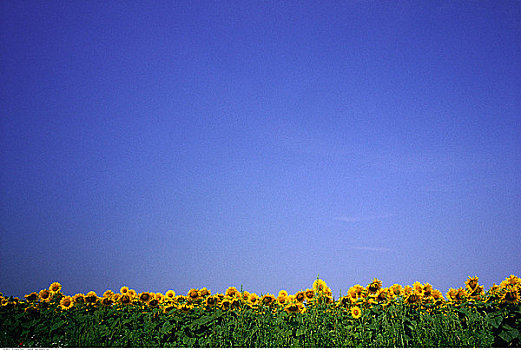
(57, 325)
(300, 331)
(167, 327)
(495, 320)
(509, 335)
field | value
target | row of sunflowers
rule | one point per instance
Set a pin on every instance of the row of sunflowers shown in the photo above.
(358, 298)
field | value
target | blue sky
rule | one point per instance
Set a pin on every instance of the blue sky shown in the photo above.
(186, 144)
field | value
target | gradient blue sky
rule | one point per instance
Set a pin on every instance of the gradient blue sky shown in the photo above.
(186, 144)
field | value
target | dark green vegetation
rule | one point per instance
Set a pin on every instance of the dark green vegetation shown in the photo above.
(469, 324)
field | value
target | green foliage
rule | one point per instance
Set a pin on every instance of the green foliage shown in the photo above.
(321, 325)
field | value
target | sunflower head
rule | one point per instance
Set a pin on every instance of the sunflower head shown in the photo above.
(267, 299)
(344, 301)
(108, 293)
(294, 307)
(356, 312)
(193, 294)
(231, 292)
(253, 299)
(300, 296)
(106, 301)
(45, 295)
(32, 297)
(319, 286)
(78, 298)
(91, 297)
(211, 301)
(168, 307)
(511, 295)
(382, 295)
(154, 302)
(204, 292)
(124, 290)
(170, 294)
(185, 308)
(226, 303)
(471, 283)
(396, 289)
(417, 287)
(374, 286)
(512, 280)
(281, 298)
(66, 303)
(413, 298)
(125, 299)
(55, 287)
(310, 294)
(145, 297)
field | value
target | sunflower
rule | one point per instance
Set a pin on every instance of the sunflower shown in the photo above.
(106, 301)
(91, 298)
(154, 302)
(32, 310)
(427, 290)
(124, 290)
(235, 303)
(182, 299)
(382, 295)
(211, 301)
(145, 297)
(310, 294)
(413, 298)
(45, 295)
(204, 292)
(344, 301)
(281, 298)
(32, 297)
(193, 294)
(55, 287)
(226, 303)
(356, 312)
(185, 308)
(108, 293)
(300, 296)
(253, 299)
(293, 308)
(125, 299)
(471, 283)
(396, 289)
(66, 303)
(170, 294)
(406, 291)
(267, 299)
(168, 307)
(355, 292)
(78, 298)
(417, 287)
(133, 294)
(512, 280)
(231, 292)
(115, 297)
(319, 286)
(510, 295)
(374, 286)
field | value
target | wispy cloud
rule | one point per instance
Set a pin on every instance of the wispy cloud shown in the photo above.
(362, 218)
(373, 249)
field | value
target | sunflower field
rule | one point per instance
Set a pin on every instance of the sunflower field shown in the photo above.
(368, 316)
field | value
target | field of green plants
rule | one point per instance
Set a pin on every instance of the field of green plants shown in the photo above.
(368, 316)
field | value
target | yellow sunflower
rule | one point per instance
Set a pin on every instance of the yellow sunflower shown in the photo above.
(133, 294)
(145, 297)
(396, 289)
(281, 298)
(471, 283)
(185, 308)
(32, 297)
(267, 299)
(382, 295)
(374, 286)
(344, 301)
(170, 294)
(66, 303)
(427, 290)
(153, 302)
(226, 302)
(300, 296)
(168, 307)
(45, 295)
(211, 301)
(293, 308)
(204, 292)
(108, 293)
(310, 294)
(91, 297)
(106, 300)
(253, 299)
(413, 298)
(231, 292)
(55, 287)
(125, 299)
(356, 312)
(319, 286)
(355, 292)
(511, 295)
(417, 287)
(193, 294)
(512, 280)
(78, 298)
(124, 290)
